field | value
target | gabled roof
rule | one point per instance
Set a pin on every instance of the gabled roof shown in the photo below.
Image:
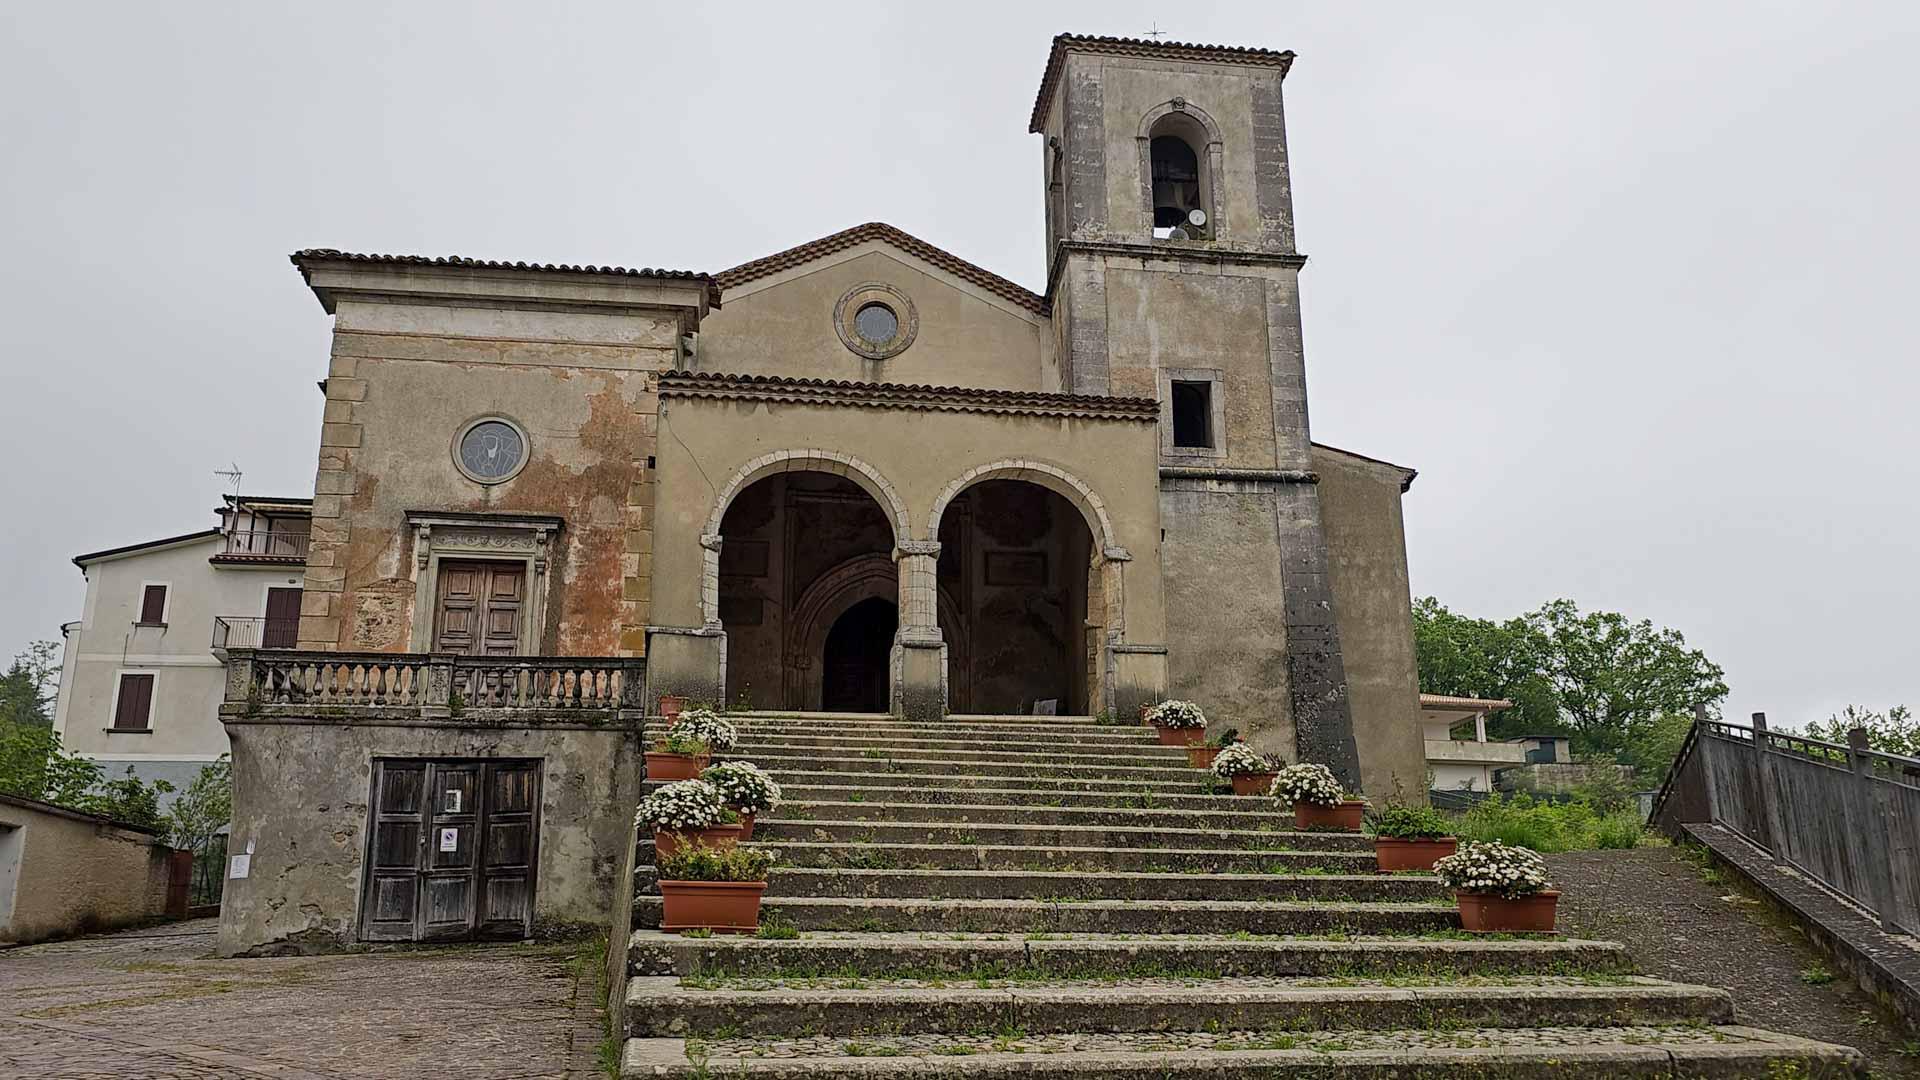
(887, 234)
(1151, 50)
(906, 396)
(129, 549)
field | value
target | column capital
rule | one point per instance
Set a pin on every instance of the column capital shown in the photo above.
(905, 548)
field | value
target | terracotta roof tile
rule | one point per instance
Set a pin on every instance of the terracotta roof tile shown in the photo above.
(905, 395)
(306, 255)
(1152, 50)
(880, 231)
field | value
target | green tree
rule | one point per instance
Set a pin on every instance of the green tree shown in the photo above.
(27, 687)
(203, 807)
(1624, 690)
(1893, 732)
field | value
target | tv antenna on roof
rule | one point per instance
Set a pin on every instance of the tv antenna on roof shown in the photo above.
(231, 475)
(1156, 33)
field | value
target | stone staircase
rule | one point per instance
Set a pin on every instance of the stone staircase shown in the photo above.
(1054, 897)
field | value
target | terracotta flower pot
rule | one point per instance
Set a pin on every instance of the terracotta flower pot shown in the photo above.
(1347, 817)
(720, 836)
(664, 766)
(1180, 736)
(1491, 913)
(725, 907)
(746, 827)
(1253, 783)
(671, 705)
(1201, 757)
(1397, 855)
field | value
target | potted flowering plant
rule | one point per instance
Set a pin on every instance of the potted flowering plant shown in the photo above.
(676, 755)
(709, 888)
(1180, 723)
(746, 789)
(1500, 888)
(688, 812)
(1411, 838)
(1201, 756)
(1250, 772)
(709, 727)
(1318, 800)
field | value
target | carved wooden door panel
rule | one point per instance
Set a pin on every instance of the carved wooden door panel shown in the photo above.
(453, 849)
(478, 608)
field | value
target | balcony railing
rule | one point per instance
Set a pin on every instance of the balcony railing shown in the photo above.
(264, 545)
(438, 684)
(253, 632)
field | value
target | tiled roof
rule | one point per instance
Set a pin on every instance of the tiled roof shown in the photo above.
(95, 556)
(1152, 50)
(907, 396)
(1448, 701)
(306, 255)
(880, 231)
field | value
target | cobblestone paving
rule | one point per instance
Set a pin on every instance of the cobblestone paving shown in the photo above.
(1184, 1041)
(155, 1004)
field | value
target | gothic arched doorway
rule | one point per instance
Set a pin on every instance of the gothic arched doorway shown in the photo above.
(855, 660)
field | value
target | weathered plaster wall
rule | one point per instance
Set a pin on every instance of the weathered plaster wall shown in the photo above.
(300, 799)
(1366, 538)
(967, 336)
(405, 378)
(63, 873)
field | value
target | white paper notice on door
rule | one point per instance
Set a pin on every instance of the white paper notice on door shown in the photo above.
(453, 800)
(238, 865)
(449, 839)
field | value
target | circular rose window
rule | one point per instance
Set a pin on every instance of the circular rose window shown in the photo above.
(876, 320)
(490, 450)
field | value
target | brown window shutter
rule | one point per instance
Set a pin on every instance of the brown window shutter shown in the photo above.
(153, 604)
(136, 702)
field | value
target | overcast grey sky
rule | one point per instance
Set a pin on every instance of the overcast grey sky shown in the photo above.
(1626, 282)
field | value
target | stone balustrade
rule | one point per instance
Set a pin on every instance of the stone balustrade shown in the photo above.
(440, 684)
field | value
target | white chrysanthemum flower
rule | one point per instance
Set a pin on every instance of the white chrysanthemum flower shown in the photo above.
(706, 725)
(1239, 759)
(1493, 867)
(1177, 714)
(744, 786)
(680, 806)
(1308, 782)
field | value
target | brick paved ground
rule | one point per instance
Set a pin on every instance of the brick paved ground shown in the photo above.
(154, 1003)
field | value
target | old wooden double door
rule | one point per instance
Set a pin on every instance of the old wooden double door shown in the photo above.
(452, 849)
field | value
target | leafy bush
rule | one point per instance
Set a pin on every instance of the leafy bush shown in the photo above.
(683, 805)
(675, 741)
(706, 725)
(1412, 823)
(743, 786)
(1240, 760)
(698, 862)
(1176, 714)
(1513, 872)
(1308, 782)
(1548, 826)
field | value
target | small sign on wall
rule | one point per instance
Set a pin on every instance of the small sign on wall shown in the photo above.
(453, 800)
(449, 839)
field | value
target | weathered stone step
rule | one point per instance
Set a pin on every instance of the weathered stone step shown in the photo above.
(1043, 885)
(1584, 1053)
(1128, 798)
(1053, 733)
(1093, 859)
(1071, 749)
(1096, 956)
(772, 830)
(990, 719)
(1054, 766)
(661, 1006)
(1246, 814)
(884, 915)
(873, 775)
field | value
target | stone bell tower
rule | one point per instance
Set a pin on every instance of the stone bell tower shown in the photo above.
(1173, 275)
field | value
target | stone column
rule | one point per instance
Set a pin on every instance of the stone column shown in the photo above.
(919, 675)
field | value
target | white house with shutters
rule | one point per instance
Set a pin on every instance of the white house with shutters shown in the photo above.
(142, 675)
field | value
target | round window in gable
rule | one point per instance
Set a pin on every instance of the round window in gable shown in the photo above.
(490, 450)
(876, 320)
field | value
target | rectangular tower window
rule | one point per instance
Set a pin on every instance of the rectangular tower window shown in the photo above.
(153, 605)
(133, 711)
(1193, 414)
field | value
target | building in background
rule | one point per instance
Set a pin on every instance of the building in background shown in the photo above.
(1471, 761)
(142, 675)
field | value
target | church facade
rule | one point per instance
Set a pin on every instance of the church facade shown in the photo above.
(865, 475)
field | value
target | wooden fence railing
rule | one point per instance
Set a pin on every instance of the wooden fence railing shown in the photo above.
(434, 680)
(1845, 815)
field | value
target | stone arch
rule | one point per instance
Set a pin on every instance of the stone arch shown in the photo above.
(833, 462)
(1201, 131)
(1053, 478)
(863, 577)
